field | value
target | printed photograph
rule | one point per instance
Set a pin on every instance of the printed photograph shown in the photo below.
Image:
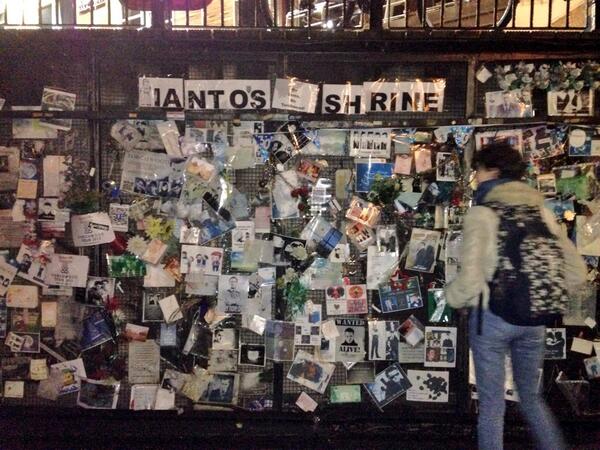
(222, 389)
(252, 355)
(400, 295)
(422, 250)
(233, 293)
(309, 372)
(389, 384)
(99, 291)
(151, 311)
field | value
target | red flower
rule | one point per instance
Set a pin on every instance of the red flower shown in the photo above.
(112, 304)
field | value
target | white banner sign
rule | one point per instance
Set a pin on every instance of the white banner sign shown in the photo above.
(203, 95)
(294, 95)
(160, 93)
(404, 96)
(342, 99)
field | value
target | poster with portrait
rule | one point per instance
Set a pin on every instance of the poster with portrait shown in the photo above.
(447, 166)
(233, 293)
(440, 347)
(7, 275)
(571, 103)
(279, 340)
(508, 104)
(422, 250)
(350, 342)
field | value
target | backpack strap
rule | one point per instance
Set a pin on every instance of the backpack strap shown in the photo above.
(480, 315)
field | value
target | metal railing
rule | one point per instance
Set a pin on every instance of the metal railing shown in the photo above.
(541, 15)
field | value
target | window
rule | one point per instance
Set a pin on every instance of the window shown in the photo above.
(134, 16)
(46, 15)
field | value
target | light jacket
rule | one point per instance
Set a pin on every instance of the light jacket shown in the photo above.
(479, 255)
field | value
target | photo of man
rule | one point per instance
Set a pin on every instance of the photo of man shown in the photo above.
(349, 338)
(233, 293)
(46, 210)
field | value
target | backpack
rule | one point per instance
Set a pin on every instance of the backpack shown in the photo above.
(528, 287)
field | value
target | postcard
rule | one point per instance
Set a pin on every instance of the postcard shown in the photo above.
(346, 299)
(252, 355)
(119, 216)
(360, 235)
(33, 262)
(372, 142)
(400, 295)
(384, 340)
(363, 212)
(279, 340)
(95, 394)
(68, 270)
(9, 168)
(308, 325)
(7, 275)
(135, 332)
(144, 362)
(31, 128)
(368, 172)
(57, 100)
(233, 293)
(556, 343)
(508, 104)
(98, 291)
(71, 373)
(152, 174)
(125, 266)
(222, 389)
(440, 347)
(413, 331)
(403, 164)
(21, 296)
(438, 310)
(222, 360)
(170, 309)
(360, 373)
(428, 386)
(389, 384)
(92, 229)
(307, 371)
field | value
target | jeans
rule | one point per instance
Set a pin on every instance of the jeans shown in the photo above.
(526, 347)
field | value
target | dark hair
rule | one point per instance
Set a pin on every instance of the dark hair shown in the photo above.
(349, 330)
(502, 156)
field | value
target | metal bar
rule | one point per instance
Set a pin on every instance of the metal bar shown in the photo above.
(460, 7)
(275, 20)
(513, 10)
(549, 13)
(204, 15)
(292, 15)
(442, 12)
(531, 13)
(423, 14)
(92, 12)
(126, 8)
(74, 4)
(495, 22)
(568, 14)
(326, 13)
(187, 13)
(222, 13)
(40, 12)
(310, 14)
(109, 12)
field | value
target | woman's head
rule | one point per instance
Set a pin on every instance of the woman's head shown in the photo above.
(498, 160)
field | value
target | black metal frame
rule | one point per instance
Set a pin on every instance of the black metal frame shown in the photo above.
(298, 14)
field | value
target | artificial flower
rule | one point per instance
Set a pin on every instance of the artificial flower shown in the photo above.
(137, 245)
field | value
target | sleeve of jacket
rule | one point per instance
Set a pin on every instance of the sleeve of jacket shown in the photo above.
(575, 267)
(470, 282)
